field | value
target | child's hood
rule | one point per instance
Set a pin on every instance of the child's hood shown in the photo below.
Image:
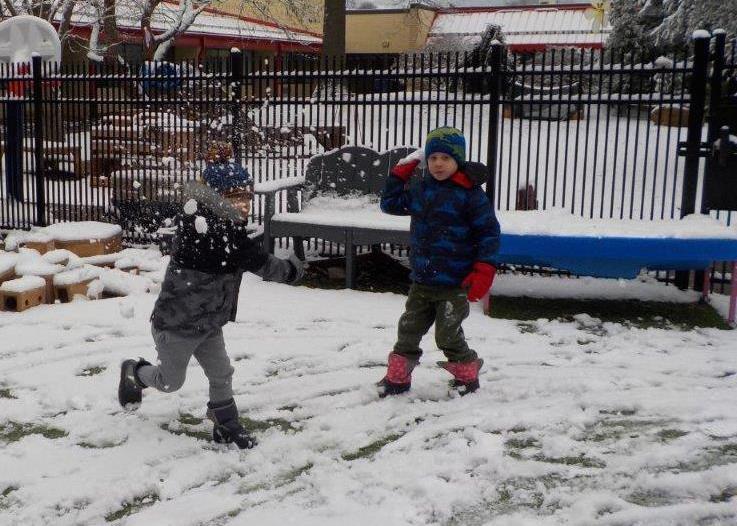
(208, 198)
(477, 173)
(472, 174)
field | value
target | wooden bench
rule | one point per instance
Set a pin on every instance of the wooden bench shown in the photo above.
(339, 197)
(350, 171)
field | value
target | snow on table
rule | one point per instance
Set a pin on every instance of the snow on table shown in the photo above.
(277, 184)
(360, 211)
(364, 212)
(559, 222)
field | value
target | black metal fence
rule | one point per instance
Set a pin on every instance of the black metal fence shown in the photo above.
(591, 132)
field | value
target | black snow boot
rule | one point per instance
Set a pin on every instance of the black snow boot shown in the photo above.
(227, 427)
(130, 388)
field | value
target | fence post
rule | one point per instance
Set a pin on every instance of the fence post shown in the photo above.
(492, 146)
(236, 81)
(715, 99)
(695, 123)
(713, 125)
(38, 128)
(693, 136)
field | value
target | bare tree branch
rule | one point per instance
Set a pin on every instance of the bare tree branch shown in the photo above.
(10, 6)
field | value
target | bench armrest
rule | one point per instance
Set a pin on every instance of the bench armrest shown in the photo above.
(271, 187)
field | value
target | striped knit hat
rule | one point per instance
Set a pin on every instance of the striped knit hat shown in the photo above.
(446, 140)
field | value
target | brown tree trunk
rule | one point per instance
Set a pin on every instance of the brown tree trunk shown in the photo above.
(333, 29)
(110, 31)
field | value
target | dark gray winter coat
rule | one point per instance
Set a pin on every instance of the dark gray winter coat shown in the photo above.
(200, 288)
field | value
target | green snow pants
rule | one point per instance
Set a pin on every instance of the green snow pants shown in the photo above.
(446, 307)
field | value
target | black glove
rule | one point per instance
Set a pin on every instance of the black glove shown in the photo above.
(288, 271)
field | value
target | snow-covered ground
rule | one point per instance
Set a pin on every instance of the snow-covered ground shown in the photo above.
(579, 422)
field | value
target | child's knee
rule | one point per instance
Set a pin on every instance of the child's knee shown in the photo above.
(172, 380)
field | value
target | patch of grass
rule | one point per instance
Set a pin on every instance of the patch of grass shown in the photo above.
(721, 455)
(618, 412)
(613, 429)
(650, 498)
(130, 508)
(521, 443)
(262, 425)
(527, 328)
(7, 393)
(371, 449)
(100, 445)
(92, 371)
(581, 460)
(512, 495)
(189, 425)
(725, 496)
(642, 314)
(292, 475)
(14, 431)
(182, 430)
(7, 491)
(666, 435)
(190, 420)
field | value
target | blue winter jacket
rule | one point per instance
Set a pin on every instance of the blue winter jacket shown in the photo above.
(452, 227)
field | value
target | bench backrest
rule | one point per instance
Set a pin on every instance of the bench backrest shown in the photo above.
(350, 170)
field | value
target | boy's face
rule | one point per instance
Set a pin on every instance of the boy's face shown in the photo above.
(241, 200)
(441, 166)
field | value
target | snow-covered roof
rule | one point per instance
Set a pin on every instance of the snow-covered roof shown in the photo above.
(207, 23)
(546, 26)
(221, 24)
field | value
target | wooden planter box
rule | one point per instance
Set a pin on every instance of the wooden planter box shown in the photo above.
(95, 247)
(42, 247)
(66, 293)
(20, 301)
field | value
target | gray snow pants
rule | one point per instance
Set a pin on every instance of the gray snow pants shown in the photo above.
(175, 348)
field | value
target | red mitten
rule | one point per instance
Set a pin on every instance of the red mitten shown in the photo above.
(404, 171)
(478, 282)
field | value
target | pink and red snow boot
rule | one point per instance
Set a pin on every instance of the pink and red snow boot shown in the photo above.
(398, 377)
(465, 375)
